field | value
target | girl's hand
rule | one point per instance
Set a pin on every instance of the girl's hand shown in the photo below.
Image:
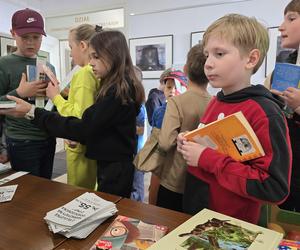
(191, 152)
(71, 144)
(52, 90)
(20, 110)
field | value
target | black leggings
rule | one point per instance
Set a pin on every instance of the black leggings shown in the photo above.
(115, 177)
(169, 199)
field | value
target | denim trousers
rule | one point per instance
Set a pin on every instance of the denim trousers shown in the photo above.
(35, 157)
(138, 186)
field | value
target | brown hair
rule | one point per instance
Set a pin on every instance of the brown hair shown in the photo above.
(111, 47)
(293, 5)
(246, 33)
(195, 65)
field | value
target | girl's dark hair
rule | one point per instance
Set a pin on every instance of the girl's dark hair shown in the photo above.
(195, 65)
(111, 47)
(293, 6)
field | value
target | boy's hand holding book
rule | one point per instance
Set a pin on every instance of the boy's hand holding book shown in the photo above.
(30, 89)
(190, 151)
(240, 143)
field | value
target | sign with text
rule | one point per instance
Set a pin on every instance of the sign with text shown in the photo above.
(59, 26)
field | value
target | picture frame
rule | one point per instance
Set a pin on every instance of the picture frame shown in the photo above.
(65, 58)
(152, 54)
(196, 37)
(275, 53)
(7, 45)
(45, 54)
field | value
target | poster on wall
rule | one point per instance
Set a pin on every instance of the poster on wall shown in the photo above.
(65, 58)
(152, 54)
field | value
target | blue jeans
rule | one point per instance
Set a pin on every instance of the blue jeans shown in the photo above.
(35, 157)
(138, 186)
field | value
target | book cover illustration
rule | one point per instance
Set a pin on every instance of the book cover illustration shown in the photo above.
(129, 233)
(286, 75)
(289, 245)
(209, 230)
(241, 143)
(219, 234)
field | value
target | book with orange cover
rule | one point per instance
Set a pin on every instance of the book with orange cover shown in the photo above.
(232, 135)
(129, 233)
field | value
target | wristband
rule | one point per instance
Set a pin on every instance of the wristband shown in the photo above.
(30, 114)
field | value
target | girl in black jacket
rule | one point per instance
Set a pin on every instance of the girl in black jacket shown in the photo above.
(107, 128)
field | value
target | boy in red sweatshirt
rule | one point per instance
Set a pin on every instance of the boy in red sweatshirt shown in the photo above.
(235, 47)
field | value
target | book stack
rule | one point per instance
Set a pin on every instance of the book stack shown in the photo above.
(81, 216)
(7, 104)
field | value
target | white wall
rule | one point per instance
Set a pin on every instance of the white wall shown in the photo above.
(156, 17)
(181, 23)
(50, 44)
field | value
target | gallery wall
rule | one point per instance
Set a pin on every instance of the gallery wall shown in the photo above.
(156, 17)
(181, 23)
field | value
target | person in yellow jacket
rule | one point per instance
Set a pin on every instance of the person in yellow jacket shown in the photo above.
(84, 87)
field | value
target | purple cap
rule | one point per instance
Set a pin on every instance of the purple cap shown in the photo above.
(27, 21)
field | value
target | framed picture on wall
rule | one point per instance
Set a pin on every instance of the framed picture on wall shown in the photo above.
(65, 58)
(44, 54)
(276, 53)
(7, 46)
(152, 54)
(196, 37)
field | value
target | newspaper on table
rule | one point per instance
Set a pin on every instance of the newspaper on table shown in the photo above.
(12, 177)
(81, 216)
(7, 192)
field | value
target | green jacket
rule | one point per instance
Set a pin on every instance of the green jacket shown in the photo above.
(11, 69)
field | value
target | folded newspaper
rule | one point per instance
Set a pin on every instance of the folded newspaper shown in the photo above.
(81, 216)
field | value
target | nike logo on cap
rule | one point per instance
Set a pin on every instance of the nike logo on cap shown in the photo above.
(30, 20)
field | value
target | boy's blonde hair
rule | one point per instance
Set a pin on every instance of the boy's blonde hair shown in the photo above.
(244, 32)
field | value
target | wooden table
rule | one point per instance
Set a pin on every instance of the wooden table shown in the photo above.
(145, 212)
(22, 224)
